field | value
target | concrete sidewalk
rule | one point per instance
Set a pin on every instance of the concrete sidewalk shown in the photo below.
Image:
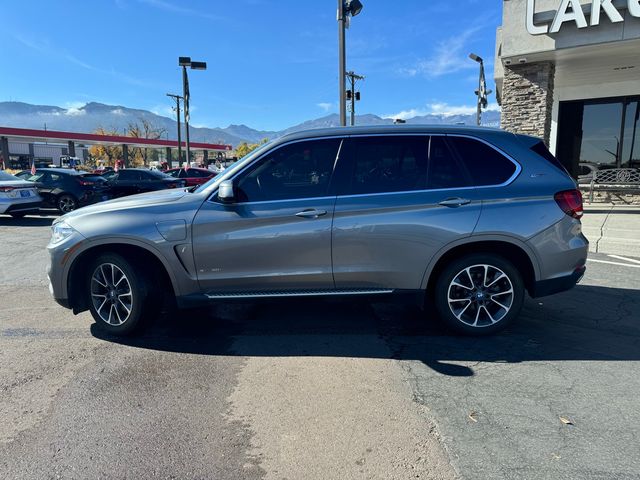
(613, 229)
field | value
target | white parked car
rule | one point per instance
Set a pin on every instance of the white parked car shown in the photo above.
(18, 197)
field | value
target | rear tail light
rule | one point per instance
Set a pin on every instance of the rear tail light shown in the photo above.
(85, 182)
(7, 189)
(570, 202)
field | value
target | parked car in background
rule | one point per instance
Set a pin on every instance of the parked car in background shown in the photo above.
(193, 176)
(466, 219)
(18, 197)
(67, 189)
(130, 181)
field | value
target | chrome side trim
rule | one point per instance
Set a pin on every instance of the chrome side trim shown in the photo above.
(305, 293)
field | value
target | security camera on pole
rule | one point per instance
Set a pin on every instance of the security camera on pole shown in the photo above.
(482, 93)
(345, 10)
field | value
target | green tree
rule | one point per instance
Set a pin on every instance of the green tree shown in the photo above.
(246, 148)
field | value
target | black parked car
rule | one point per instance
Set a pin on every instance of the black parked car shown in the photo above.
(139, 180)
(67, 189)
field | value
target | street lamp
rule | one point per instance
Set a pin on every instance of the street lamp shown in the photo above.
(177, 98)
(345, 9)
(482, 93)
(185, 62)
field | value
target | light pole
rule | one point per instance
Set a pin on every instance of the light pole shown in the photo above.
(185, 62)
(482, 93)
(345, 8)
(352, 94)
(177, 98)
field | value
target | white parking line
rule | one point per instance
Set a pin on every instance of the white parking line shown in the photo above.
(624, 258)
(612, 263)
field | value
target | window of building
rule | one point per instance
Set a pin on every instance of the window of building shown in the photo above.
(630, 157)
(603, 133)
(298, 170)
(484, 163)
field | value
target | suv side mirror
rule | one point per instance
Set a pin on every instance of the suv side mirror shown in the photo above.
(225, 192)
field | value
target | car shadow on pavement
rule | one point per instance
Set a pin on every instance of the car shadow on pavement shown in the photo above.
(586, 323)
(28, 221)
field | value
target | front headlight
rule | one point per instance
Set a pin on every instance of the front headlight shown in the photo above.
(60, 231)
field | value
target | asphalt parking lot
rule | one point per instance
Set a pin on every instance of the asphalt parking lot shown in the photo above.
(318, 389)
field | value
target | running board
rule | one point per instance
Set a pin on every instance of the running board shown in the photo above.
(295, 293)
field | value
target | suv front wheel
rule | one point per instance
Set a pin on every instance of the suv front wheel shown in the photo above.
(118, 295)
(479, 294)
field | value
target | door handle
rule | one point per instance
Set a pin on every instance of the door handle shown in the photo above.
(454, 202)
(311, 213)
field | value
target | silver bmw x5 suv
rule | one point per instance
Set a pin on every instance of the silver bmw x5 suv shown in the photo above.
(467, 219)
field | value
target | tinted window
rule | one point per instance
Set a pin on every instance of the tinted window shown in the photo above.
(174, 173)
(299, 170)
(486, 165)
(388, 164)
(444, 168)
(128, 175)
(542, 150)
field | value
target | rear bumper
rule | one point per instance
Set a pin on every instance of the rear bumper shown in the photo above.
(543, 288)
(23, 207)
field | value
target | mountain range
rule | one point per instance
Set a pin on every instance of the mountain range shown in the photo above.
(93, 115)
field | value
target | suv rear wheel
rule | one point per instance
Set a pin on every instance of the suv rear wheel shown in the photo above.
(479, 294)
(118, 295)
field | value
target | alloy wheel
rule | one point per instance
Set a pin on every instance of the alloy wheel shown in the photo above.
(66, 204)
(111, 294)
(480, 295)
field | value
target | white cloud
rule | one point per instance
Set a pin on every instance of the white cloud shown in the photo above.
(326, 106)
(171, 7)
(117, 111)
(439, 108)
(74, 108)
(449, 56)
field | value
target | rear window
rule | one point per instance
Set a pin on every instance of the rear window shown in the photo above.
(486, 165)
(541, 149)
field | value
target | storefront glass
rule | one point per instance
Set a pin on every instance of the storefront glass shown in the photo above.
(599, 134)
(631, 138)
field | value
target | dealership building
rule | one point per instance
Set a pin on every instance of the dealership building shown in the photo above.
(568, 71)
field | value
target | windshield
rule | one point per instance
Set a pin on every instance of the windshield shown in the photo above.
(5, 176)
(231, 171)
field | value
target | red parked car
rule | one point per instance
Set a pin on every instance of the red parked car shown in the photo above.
(193, 176)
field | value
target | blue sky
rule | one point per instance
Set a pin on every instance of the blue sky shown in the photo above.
(272, 63)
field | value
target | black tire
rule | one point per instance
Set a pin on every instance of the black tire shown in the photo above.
(476, 309)
(66, 203)
(104, 281)
(18, 215)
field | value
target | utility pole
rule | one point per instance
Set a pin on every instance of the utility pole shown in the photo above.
(185, 101)
(352, 94)
(346, 9)
(185, 62)
(482, 93)
(177, 98)
(341, 63)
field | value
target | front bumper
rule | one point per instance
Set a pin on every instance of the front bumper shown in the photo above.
(542, 288)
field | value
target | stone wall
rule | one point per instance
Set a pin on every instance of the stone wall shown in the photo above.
(527, 99)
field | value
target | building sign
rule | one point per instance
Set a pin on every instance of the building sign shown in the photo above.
(571, 11)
